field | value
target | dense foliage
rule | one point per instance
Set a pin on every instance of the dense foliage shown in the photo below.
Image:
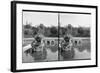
(30, 31)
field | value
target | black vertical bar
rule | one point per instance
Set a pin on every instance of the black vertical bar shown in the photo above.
(13, 36)
(58, 36)
(96, 36)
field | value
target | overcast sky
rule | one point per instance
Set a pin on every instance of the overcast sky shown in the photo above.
(51, 19)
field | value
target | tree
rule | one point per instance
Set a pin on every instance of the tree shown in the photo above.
(47, 32)
(62, 31)
(41, 26)
(26, 32)
(69, 29)
(34, 31)
(80, 31)
(86, 32)
(41, 29)
(54, 32)
(28, 26)
(69, 26)
(75, 32)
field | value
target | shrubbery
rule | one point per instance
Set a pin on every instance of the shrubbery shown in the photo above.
(30, 31)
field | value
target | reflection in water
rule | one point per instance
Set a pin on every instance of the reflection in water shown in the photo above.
(36, 56)
(67, 55)
(85, 54)
(48, 54)
(39, 55)
(51, 54)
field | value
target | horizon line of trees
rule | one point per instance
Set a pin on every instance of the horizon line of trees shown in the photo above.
(30, 31)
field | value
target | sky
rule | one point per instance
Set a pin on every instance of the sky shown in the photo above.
(51, 19)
